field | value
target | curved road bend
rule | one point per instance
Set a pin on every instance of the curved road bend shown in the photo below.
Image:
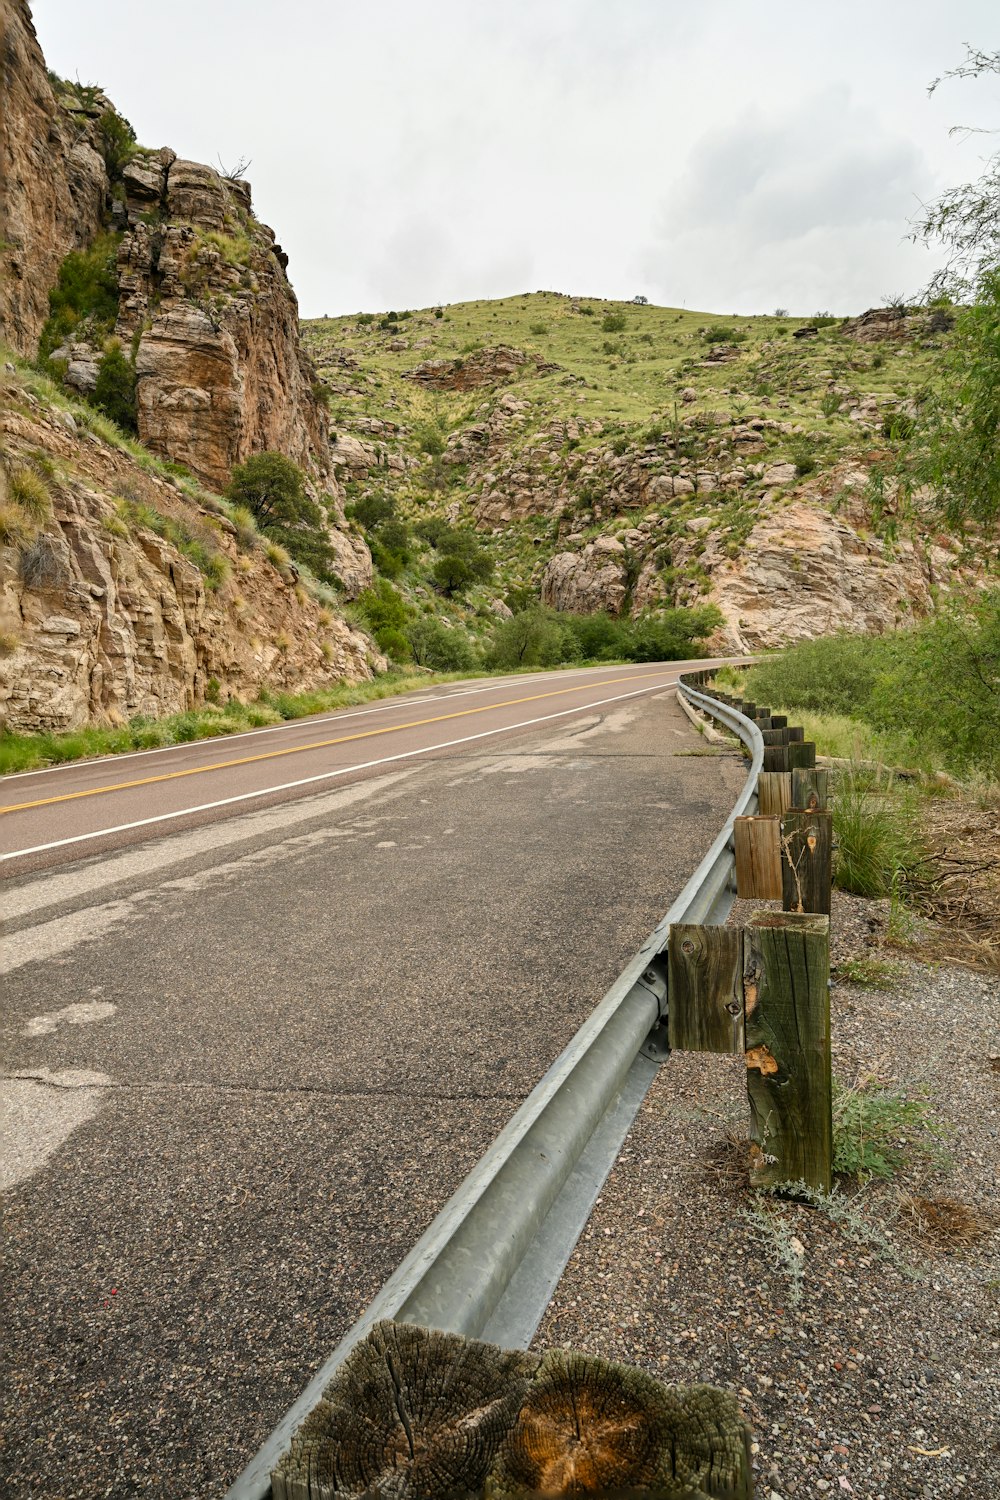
(251, 1048)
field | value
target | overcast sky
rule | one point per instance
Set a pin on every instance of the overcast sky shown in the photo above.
(713, 154)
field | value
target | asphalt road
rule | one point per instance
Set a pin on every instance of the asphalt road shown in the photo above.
(250, 1050)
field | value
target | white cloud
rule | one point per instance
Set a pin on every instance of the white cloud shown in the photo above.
(723, 155)
(806, 208)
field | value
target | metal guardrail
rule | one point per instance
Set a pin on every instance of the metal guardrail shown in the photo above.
(489, 1262)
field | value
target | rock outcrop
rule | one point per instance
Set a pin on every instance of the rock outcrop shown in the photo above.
(588, 581)
(53, 181)
(102, 618)
(221, 372)
(491, 366)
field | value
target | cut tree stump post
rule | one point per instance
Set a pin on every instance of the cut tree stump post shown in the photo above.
(796, 734)
(757, 844)
(764, 723)
(419, 1414)
(801, 756)
(774, 791)
(705, 986)
(763, 713)
(786, 988)
(806, 860)
(779, 721)
(776, 757)
(809, 787)
(774, 736)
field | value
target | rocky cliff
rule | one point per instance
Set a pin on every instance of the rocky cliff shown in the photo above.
(124, 593)
(53, 182)
(124, 588)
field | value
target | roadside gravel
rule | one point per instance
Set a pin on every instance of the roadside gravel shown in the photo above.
(864, 1342)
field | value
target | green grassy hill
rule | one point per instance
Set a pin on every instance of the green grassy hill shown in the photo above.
(551, 423)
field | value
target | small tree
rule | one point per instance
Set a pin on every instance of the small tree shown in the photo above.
(273, 488)
(117, 142)
(114, 393)
(452, 575)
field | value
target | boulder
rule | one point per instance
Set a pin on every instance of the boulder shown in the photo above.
(586, 582)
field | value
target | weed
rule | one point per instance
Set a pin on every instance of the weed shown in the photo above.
(9, 642)
(945, 1223)
(878, 1130)
(784, 1248)
(38, 565)
(247, 535)
(869, 973)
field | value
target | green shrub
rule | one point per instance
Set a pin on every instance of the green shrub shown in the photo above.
(538, 328)
(803, 455)
(117, 142)
(613, 323)
(672, 634)
(395, 643)
(371, 511)
(84, 300)
(363, 319)
(829, 404)
(721, 333)
(536, 637)
(897, 426)
(934, 685)
(383, 607)
(114, 393)
(442, 648)
(452, 575)
(272, 488)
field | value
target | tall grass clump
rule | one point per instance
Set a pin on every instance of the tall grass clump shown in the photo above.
(877, 834)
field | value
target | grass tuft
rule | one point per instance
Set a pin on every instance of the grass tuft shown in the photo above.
(878, 842)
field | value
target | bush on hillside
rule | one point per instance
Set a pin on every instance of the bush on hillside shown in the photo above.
(937, 683)
(443, 648)
(115, 391)
(117, 142)
(272, 488)
(452, 575)
(84, 301)
(613, 323)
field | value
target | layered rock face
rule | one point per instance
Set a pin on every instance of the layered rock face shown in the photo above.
(221, 373)
(101, 618)
(53, 182)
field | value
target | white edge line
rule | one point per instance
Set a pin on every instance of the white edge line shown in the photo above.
(399, 701)
(384, 760)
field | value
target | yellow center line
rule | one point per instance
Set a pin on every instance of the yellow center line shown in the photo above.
(364, 734)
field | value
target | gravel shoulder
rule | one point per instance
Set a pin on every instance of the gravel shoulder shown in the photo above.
(863, 1340)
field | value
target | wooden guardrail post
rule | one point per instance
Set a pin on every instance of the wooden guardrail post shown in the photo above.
(801, 755)
(757, 847)
(810, 787)
(415, 1413)
(774, 791)
(705, 986)
(806, 859)
(786, 987)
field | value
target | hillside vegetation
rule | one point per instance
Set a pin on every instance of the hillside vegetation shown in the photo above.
(625, 459)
